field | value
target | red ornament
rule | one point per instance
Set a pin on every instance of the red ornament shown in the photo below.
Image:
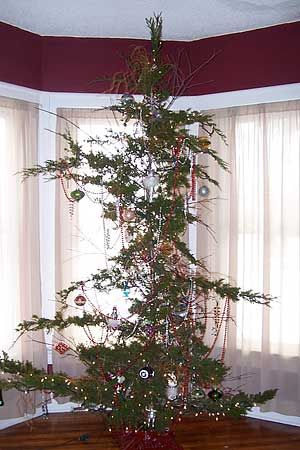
(80, 300)
(61, 348)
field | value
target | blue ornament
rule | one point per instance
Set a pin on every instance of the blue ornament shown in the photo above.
(126, 290)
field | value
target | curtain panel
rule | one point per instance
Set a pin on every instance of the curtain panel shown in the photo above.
(19, 243)
(255, 218)
(80, 232)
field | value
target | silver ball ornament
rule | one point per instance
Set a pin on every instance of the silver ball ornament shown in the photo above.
(203, 191)
(151, 180)
(127, 98)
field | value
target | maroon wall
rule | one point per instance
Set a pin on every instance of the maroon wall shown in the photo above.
(72, 64)
(257, 58)
(20, 57)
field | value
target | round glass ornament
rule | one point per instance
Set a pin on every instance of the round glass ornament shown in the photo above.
(151, 180)
(215, 394)
(146, 372)
(77, 195)
(127, 98)
(203, 191)
(80, 300)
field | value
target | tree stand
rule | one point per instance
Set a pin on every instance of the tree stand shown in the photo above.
(146, 440)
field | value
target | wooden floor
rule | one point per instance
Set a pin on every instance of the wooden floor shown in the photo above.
(62, 431)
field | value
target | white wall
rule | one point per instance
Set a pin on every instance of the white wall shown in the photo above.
(48, 103)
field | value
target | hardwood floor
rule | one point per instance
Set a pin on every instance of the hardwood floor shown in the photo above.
(62, 431)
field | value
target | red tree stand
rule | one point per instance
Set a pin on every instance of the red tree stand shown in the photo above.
(146, 440)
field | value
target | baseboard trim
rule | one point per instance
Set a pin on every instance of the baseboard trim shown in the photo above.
(6, 423)
(256, 413)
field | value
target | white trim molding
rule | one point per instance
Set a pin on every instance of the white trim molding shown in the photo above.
(270, 94)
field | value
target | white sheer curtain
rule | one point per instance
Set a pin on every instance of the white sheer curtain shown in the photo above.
(256, 221)
(19, 240)
(82, 238)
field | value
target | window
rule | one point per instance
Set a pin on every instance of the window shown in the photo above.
(256, 220)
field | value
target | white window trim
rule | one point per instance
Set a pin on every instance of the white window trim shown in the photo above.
(50, 101)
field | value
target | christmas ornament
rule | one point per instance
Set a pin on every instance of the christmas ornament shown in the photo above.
(1, 398)
(121, 379)
(113, 322)
(128, 215)
(172, 389)
(126, 290)
(77, 195)
(204, 141)
(150, 182)
(215, 394)
(172, 380)
(166, 248)
(178, 402)
(80, 300)
(181, 312)
(156, 114)
(61, 348)
(203, 191)
(151, 416)
(146, 372)
(197, 394)
(127, 98)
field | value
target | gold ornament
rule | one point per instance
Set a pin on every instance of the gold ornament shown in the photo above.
(166, 248)
(204, 142)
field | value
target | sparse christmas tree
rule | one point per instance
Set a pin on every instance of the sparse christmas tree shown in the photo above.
(156, 364)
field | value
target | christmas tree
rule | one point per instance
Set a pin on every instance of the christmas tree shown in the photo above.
(156, 364)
